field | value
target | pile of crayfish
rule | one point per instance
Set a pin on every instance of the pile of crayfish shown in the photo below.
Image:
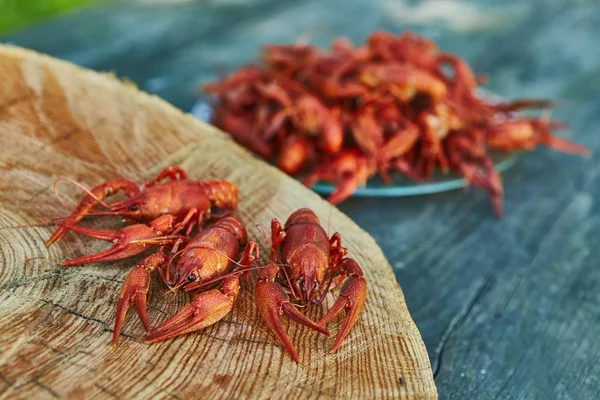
(304, 263)
(393, 105)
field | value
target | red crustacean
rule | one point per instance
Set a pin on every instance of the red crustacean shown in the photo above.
(305, 264)
(179, 197)
(128, 242)
(211, 263)
(174, 208)
(394, 105)
(528, 134)
(349, 169)
(207, 258)
(294, 155)
(403, 81)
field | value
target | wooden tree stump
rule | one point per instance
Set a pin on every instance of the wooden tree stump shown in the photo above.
(57, 120)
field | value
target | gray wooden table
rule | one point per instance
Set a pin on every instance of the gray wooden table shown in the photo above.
(508, 309)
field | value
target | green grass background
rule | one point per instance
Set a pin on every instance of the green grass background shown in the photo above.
(15, 14)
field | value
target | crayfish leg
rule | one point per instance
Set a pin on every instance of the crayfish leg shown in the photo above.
(345, 189)
(173, 173)
(566, 146)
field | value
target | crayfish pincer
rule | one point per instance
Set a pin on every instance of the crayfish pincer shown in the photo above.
(305, 263)
(185, 199)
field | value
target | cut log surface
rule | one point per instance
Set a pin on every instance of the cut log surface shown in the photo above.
(57, 120)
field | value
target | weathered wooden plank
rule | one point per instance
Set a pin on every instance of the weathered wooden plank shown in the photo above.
(56, 325)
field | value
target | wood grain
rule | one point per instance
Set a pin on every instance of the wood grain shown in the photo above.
(55, 325)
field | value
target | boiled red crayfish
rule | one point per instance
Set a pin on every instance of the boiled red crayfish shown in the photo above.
(180, 197)
(311, 263)
(304, 263)
(177, 205)
(397, 104)
(205, 260)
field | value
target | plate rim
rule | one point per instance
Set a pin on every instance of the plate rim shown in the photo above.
(416, 189)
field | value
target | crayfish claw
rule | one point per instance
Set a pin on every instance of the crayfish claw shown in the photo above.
(135, 292)
(348, 170)
(272, 303)
(352, 299)
(89, 203)
(127, 242)
(206, 309)
(270, 309)
(291, 312)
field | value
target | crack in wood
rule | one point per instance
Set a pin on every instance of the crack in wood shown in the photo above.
(104, 278)
(87, 318)
(69, 311)
(105, 390)
(156, 309)
(458, 321)
(122, 334)
(47, 389)
(17, 283)
(38, 193)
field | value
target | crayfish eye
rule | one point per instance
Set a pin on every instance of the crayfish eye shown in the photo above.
(192, 278)
(132, 208)
(302, 283)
